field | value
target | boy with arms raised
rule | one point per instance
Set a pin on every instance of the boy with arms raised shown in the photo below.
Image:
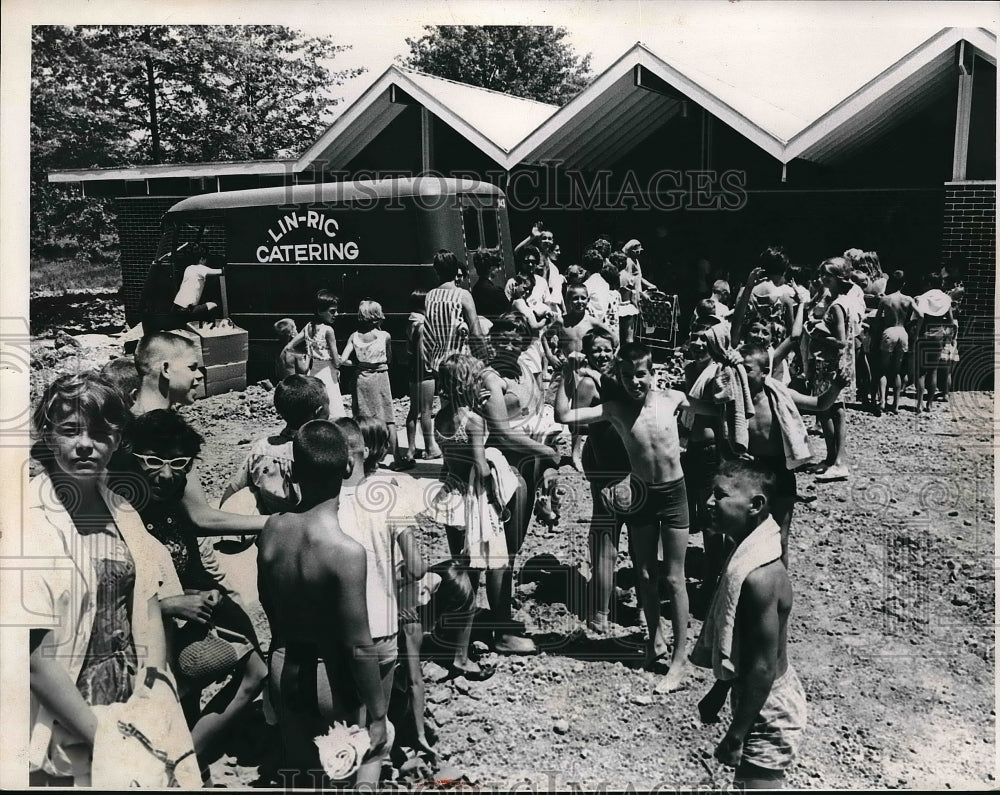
(647, 423)
(744, 638)
(323, 664)
(576, 324)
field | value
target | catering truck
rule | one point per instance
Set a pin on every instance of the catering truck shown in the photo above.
(364, 239)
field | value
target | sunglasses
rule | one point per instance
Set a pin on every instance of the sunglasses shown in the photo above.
(155, 462)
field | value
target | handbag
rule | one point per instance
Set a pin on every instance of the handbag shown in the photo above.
(144, 742)
(206, 653)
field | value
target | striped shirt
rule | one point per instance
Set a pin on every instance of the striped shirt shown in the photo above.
(445, 331)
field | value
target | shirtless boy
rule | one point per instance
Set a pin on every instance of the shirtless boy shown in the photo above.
(646, 421)
(894, 312)
(576, 323)
(767, 444)
(768, 702)
(323, 664)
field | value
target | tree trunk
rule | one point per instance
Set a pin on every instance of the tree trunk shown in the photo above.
(154, 125)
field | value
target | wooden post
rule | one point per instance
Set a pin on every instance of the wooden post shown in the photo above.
(962, 116)
(426, 141)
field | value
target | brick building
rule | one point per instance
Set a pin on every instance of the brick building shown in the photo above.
(893, 152)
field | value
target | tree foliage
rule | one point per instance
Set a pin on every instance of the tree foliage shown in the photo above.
(524, 60)
(107, 96)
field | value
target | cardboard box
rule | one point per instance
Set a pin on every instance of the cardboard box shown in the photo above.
(221, 342)
(221, 378)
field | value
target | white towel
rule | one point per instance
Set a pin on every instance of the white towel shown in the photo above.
(717, 646)
(794, 437)
(698, 390)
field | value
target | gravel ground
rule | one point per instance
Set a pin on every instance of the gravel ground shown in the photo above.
(892, 629)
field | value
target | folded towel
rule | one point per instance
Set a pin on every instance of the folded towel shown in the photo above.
(733, 389)
(794, 436)
(698, 390)
(717, 646)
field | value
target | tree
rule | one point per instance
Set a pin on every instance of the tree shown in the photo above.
(527, 61)
(125, 95)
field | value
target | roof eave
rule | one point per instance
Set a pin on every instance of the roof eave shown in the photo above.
(811, 137)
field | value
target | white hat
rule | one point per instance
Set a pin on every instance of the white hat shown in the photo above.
(633, 243)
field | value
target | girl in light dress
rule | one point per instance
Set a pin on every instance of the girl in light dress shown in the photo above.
(322, 346)
(371, 349)
(477, 482)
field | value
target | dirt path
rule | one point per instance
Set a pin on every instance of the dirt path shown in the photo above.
(892, 630)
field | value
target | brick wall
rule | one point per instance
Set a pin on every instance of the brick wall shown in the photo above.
(139, 233)
(139, 236)
(969, 233)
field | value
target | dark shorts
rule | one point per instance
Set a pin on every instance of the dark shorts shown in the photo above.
(700, 464)
(664, 504)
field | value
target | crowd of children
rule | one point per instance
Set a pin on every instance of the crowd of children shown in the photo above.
(347, 591)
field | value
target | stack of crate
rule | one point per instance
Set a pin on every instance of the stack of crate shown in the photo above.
(224, 349)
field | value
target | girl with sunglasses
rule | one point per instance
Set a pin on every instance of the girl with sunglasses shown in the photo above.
(160, 449)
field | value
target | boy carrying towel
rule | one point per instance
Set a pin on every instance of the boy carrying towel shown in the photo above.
(744, 636)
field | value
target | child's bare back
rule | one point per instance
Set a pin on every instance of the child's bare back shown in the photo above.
(896, 309)
(300, 559)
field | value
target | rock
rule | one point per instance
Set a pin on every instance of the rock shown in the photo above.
(561, 727)
(642, 700)
(62, 338)
(443, 715)
(434, 672)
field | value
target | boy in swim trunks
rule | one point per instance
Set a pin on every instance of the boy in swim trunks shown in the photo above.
(894, 312)
(647, 423)
(323, 664)
(768, 702)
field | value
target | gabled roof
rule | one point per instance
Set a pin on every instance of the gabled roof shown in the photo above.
(819, 105)
(905, 87)
(613, 108)
(492, 121)
(796, 93)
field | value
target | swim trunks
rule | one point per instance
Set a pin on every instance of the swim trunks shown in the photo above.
(773, 740)
(665, 504)
(895, 339)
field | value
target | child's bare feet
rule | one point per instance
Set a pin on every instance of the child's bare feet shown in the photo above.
(710, 706)
(577, 454)
(672, 681)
